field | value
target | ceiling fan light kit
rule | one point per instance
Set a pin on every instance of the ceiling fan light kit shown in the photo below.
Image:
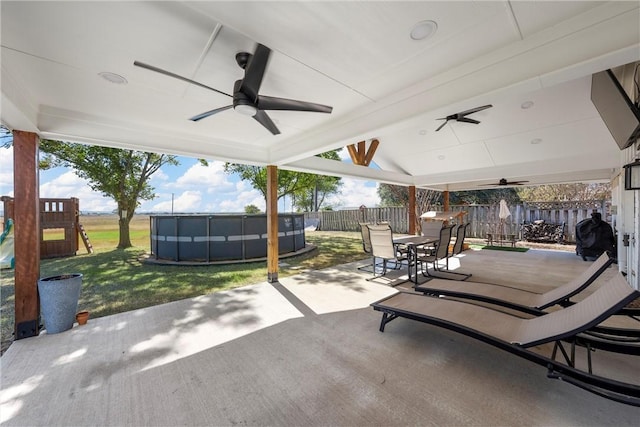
(246, 100)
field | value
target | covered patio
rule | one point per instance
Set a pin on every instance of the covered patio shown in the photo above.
(305, 351)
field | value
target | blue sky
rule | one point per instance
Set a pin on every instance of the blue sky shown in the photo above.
(195, 188)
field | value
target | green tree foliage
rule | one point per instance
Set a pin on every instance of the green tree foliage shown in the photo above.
(307, 190)
(122, 175)
(252, 209)
(396, 195)
(562, 192)
(484, 197)
(313, 199)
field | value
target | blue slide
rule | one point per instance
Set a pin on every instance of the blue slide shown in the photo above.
(7, 259)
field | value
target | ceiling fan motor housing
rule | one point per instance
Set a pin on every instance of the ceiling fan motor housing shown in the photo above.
(241, 102)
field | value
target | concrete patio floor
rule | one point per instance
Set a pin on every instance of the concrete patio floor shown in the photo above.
(305, 351)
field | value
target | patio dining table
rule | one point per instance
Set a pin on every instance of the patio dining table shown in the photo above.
(412, 242)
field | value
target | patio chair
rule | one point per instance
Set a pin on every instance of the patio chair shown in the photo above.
(514, 298)
(461, 233)
(383, 248)
(431, 228)
(433, 255)
(458, 245)
(366, 246)
(517, 335)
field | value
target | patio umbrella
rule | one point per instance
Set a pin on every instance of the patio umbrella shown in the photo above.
(504, 210)
(503, 214)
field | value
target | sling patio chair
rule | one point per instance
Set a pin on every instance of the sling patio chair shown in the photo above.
(513, 297)
(461, 233)
(519, 335)
(383, 248)
(431, 228)
(366, 246)
(458, 246)
(434, 255)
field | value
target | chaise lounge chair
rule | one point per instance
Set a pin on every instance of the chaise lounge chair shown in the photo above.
(516, 335)
(514, 298)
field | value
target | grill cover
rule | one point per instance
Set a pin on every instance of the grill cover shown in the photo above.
(593, 237)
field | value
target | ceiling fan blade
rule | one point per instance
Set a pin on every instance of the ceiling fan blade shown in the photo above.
(266, 121)
(442, 125)
(272, 103)
(209, 113)
(176, 76)
(467, 120)
(254, 72)
(474, 110)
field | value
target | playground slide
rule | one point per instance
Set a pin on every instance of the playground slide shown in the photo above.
(6, 247)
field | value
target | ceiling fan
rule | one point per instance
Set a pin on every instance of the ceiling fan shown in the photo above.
(461, 117)
(246, 99)
(503, 182)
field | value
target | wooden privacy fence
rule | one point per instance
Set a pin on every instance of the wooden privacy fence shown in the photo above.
(483, 218)
(349, 220)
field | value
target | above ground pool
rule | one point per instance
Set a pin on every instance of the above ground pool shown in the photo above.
(221, 238)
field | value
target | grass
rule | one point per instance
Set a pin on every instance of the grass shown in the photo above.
(115, 280)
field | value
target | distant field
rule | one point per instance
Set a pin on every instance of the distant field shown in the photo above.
(103, 231)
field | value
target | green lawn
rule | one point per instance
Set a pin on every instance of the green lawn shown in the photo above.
(115, 281)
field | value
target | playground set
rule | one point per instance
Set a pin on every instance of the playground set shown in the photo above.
(60, 217)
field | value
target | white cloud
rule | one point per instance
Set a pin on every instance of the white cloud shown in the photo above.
(344, 154)
(159, 175)
(211, 177)
(242, 199)
(188, 201)
(6, 171)
(71, 185)
(354, 193)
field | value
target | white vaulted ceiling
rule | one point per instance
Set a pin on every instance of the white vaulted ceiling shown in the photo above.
(355, 56)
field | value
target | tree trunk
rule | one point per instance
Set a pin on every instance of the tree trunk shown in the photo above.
(125, 238)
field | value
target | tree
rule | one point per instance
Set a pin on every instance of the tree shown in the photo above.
(562, 192)
(122, 175)
(484, 197)
(307, 190)
(396, 195)
(312, 199)
(252, 209)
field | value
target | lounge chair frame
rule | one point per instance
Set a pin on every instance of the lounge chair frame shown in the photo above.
(611, 389)
(445, 288)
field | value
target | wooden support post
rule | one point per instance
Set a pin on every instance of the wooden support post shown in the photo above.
(412, 209)
(272, 224)
(445, 202)
(27, 233)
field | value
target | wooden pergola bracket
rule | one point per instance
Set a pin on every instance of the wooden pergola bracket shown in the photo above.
(361, 155)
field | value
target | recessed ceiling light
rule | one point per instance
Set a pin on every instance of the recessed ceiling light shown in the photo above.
(423, 30)
(536, 141)
(422, 132)
(441, 157)
(113, 78)
(526, 105)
